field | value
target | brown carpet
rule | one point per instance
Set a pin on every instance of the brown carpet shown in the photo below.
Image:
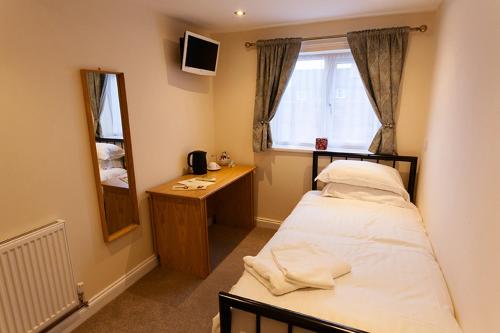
(168, 301)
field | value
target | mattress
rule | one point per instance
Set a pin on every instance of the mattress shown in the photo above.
(395, 285)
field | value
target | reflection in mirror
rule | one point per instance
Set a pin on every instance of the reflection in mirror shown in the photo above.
(106, 107)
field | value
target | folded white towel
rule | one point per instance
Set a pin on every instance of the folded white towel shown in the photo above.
(266, 272)
(307, 265)
(290, 267)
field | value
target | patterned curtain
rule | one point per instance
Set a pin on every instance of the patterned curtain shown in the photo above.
(95, 83)
(380, 56)
(276, 60)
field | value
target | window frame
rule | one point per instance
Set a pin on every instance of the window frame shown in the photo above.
(317, 47)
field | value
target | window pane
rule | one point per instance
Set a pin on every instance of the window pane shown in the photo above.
(325, 98)
(110, 120)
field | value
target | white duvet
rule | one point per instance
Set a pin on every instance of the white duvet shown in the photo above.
(107, 174)
(395, 284)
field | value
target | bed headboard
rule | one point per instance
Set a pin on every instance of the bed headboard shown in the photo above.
(114, 141)
(372, 157)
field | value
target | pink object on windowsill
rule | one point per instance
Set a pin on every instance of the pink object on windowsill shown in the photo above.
(321, 143)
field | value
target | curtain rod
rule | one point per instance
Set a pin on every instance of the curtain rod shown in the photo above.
(422, 28)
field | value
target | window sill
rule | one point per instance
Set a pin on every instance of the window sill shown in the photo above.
(291, 149)
(306, 150)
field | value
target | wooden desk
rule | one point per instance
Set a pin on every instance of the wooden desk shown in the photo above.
(180, 217)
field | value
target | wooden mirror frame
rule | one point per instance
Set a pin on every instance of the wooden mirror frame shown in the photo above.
(127, 142)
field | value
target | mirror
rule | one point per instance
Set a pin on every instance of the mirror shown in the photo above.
(111, 148)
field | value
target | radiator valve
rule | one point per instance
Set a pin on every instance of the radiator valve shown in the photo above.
(80, 292)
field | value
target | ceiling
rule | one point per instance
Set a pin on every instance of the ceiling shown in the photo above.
(217, 15)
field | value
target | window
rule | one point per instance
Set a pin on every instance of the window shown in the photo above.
(110, 120)
(325, 97)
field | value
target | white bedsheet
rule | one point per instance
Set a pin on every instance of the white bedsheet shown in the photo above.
(395, 284)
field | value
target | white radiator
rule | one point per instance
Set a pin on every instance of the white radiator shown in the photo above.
(36, 280)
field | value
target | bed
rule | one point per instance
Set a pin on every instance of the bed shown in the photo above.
(395, 285)
(111, 159)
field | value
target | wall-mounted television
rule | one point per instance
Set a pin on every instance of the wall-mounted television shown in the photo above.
(199, 54)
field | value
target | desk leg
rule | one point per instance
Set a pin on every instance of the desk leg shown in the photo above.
(181, 226)
(234, 205)
(153, 226)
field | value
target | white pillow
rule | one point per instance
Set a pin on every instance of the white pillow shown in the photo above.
(353, 192)
(111, 173)
(109, 164)
(367, 174)
(107, 151)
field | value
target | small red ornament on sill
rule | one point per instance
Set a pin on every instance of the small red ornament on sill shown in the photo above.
(321, 143)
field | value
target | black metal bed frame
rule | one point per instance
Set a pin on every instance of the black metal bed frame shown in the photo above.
(291, 318)
(115, 141)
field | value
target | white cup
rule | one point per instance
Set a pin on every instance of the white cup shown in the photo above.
(213, 166)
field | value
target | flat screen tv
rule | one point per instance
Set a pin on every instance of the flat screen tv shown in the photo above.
(199, 54)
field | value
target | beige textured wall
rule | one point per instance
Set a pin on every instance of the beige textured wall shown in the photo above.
(45, 169)
(282, 178)
(459, 183)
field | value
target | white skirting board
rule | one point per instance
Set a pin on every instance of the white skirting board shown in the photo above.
(263, 222)
(107, 295)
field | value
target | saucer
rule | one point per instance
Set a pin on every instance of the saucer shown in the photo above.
(214, 169)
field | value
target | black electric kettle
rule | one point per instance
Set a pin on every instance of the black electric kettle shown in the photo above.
(197, 160)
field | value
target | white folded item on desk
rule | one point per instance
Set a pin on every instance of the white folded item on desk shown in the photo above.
(193, 184)
(289, 267)
(180, 187)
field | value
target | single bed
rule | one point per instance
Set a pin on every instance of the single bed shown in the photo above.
(111, 159)
(395, 285)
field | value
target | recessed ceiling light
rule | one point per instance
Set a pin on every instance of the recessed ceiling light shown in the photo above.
(239, 12)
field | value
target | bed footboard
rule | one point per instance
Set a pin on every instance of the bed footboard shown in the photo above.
(291, 318)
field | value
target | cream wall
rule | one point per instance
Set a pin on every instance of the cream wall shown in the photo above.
(45, 164)
(459, 182)
(282, 178)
